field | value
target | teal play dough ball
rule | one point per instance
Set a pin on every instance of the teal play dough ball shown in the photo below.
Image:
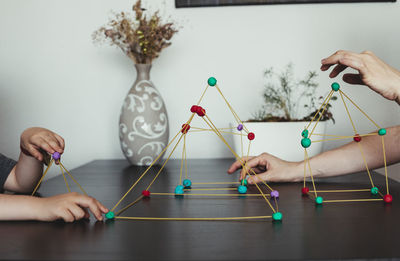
(306, 142)
(187, 183)
(304, 133)
(382, 132)
(374, 190)
(319, 200)
(212, 81)
(277, 216)
(110, 215)
(244, 182)
(335, 86)
(242, 189)
(179, 189)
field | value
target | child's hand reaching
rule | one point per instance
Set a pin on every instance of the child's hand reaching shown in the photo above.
(69, 207)
(35, 139)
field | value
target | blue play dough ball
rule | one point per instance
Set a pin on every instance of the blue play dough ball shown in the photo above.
(242, 189)
(179, 189)
(187, 183)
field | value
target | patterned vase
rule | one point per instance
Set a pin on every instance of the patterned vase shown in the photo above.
(143, 123)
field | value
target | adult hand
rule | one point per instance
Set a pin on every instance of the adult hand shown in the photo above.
(266, 167)
(372, 72)
(35, 139)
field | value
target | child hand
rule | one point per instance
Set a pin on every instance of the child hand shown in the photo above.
(69, 207)
(35, 139)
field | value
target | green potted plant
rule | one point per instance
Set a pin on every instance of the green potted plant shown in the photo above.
(289, 105)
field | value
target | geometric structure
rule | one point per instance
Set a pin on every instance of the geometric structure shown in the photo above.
(56, 158)
(306, 142)
(186, 188)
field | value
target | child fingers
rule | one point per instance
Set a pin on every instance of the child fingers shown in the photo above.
(45, 146)
(67, 216)
(35, 153)
(77, 212)
(60, 141)
(92, 204)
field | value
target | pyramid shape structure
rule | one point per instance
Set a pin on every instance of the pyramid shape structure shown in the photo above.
(309, 137)
(56, 159)
(185, 187)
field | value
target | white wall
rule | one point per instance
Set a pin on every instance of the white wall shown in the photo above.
(52, 75)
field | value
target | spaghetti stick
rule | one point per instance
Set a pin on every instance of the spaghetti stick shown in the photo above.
(41, 179)
(192, 219)
(65, 179)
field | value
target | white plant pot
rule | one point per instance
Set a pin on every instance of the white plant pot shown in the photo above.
(281, 139)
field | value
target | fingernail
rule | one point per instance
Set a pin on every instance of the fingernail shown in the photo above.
(323, 60)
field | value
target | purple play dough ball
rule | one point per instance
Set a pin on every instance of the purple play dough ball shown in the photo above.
(240, 127)
(56, 155)
(275, 194)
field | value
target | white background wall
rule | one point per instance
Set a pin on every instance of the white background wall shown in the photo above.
(52, 75)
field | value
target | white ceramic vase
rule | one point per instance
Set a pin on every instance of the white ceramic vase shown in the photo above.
(281, 139)
(143, 123)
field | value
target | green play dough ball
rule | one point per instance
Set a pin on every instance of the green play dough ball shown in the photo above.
(212, 81)
(304, 133)
(319, 200)
(382, 132)
(335, 86)
(374, 190)
(277, 216)
(110, 215)
(306, 142)
(244, 182)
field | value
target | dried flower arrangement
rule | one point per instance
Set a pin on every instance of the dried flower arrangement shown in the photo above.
(283, 98)
(141, 37)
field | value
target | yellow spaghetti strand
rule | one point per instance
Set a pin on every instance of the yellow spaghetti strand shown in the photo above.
(201, 97)
(359, 109)
(365, 163)
(384, 161)
(193, 219)
(352, 200)
(73, 179)
(186, 168)
(322, 113)
(237, 157)
(228, 132)
(311, 175)
(348, 113)
(343, 190)
(165, 162)
(305, 163)
(315, 141)
(209, 189)
(41, 179)
(182, 160)
(65, 179)
(315, 115)
(209, 195)
(214, 183)
(148, 168)
(128, 206)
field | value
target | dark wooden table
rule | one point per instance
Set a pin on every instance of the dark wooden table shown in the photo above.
(367, 230)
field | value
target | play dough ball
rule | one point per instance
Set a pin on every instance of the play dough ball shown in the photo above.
(319, 200)
(110, 215)
(244, 182)
(146, 193)
(374, 190)
(382, 132)
(388, 198)
(187, 183)
(242, 189)
(179, 189)
(304, 133)
(194, 108)
(240, 127)
(277, 216)
(305, 191)
(306, 142)
(56, 155)
(185, 128)
(335, 86)
(275, 194)
(212, 81)
(251, 136)
(357, 138)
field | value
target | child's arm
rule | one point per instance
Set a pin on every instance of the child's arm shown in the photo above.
(29, 168)
(68, 207)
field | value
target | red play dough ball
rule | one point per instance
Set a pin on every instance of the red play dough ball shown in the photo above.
(305, 190)
(194, 108)
(185, 128)
(146, 193)
(251, 136)
(388, 198)
(200, 111)
(357, 138)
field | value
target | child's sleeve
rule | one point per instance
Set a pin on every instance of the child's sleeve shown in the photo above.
(6, 165)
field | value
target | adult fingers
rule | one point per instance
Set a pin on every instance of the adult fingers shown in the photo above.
(250, 164)
(253, 179)
(238, 164)
(352, 78)
(338, 69)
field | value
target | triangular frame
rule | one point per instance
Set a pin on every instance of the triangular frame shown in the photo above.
(182, 188)
(306, 142)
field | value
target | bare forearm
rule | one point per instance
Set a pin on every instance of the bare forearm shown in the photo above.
(348, 158)
(27, 173)
(18, 207)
